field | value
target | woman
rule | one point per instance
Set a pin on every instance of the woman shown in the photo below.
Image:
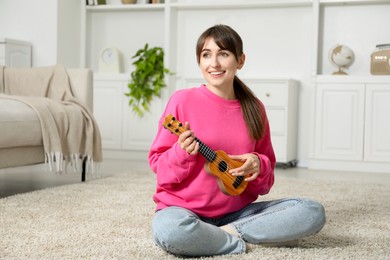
(194, 217)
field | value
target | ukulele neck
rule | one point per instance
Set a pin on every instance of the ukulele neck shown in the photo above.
(206, 151)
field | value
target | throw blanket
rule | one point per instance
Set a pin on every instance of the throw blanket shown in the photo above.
(69, 130)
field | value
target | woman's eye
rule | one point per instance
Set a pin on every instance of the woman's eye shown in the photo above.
(206, 55)
(224, 54)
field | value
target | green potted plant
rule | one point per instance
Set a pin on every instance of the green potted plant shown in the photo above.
(147, 80)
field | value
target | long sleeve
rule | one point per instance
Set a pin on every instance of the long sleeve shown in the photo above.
(167, 159)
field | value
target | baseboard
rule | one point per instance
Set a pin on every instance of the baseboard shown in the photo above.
(349, 166)
(125, 155)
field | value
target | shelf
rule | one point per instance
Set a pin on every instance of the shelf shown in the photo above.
(129, 7)
(242, 5)
(353, 2)
(229, 5)
(352, 79)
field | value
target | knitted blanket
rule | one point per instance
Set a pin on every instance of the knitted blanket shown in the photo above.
(69, 130)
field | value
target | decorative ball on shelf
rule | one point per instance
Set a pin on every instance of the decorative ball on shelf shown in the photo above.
(342, 57)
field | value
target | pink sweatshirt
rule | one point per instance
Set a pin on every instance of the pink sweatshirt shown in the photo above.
(181, 178)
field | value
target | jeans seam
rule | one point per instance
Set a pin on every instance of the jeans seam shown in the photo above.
(246, 221)
(254, 213)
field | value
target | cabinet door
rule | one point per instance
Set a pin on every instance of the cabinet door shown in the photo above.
(18, 56)
(274, 97)
(15, 55)
(139, 132)
(107, 107)
(339, 121)
(377, 126)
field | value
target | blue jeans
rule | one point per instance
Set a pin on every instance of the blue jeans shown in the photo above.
(182, 232)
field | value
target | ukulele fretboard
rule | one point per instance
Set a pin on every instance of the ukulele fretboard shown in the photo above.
(206, 151)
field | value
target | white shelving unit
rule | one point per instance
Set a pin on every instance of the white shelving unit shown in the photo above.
(349, 120)
(298, 32)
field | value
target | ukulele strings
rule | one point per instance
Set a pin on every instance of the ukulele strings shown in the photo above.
(208, 153)
(213, 157)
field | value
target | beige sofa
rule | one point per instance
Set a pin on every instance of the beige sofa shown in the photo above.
(21, 141)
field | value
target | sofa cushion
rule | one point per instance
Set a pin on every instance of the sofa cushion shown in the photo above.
(19, 124)
(18, 156)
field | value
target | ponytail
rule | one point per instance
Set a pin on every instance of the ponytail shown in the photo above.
(252, 110)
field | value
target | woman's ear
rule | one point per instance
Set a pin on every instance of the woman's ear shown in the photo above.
(241, 61)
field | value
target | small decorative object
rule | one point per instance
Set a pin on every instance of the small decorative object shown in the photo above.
(380, 60)
(342, 57)
(148, 78)
(110, 60)
(129, 1)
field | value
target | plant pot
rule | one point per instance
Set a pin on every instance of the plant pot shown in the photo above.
(129, 1)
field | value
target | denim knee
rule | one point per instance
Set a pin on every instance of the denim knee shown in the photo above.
(171, 227)
(316, 213)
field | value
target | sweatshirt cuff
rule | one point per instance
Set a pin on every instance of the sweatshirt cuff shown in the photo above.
(265, 164)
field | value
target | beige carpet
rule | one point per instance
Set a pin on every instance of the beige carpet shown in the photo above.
(110, 218)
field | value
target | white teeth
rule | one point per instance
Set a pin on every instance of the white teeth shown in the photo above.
(215, 73)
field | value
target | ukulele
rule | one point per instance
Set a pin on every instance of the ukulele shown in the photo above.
(219, 162)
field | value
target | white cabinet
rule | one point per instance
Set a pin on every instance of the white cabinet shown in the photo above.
(15, 53)
(339, 121)
(377, 130)
(108, 104)
(121, 129)
(280, 98)
(139, 132)
(352, 123)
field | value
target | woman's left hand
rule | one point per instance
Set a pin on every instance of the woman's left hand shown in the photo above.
(250, 168)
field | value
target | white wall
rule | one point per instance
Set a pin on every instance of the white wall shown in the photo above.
(68, 32)
(52, 26)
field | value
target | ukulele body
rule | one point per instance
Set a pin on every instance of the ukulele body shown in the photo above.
(228, 184)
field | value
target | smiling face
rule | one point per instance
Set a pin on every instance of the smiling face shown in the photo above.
(219, 67)
(220, 54)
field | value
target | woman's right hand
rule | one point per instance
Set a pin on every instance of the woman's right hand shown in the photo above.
(187, 141)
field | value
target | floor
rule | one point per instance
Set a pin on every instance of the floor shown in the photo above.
(24, 179)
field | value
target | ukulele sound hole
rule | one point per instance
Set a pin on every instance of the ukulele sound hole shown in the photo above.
(222, 166)
(238, 181)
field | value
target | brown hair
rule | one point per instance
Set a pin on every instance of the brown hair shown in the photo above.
(228, 39)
